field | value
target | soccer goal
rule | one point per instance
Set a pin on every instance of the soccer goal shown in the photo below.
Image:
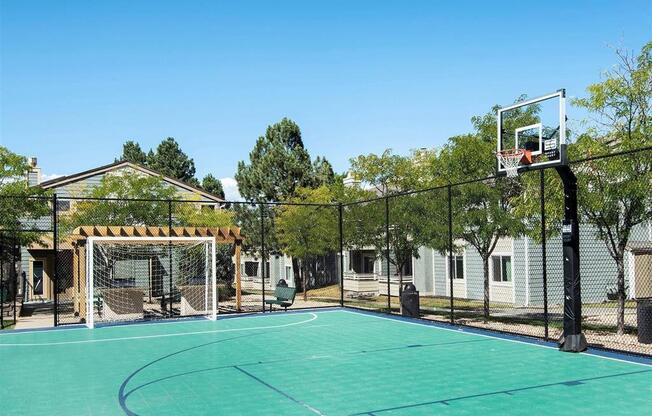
(144, 278)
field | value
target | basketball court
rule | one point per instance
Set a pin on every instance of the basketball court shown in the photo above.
(324, 362)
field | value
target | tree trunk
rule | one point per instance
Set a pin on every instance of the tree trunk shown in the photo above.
(400, 290)
(296, 272)
(620, 286)
(304, 281)
(485, 270)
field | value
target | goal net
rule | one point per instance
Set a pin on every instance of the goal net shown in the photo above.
(133, 278)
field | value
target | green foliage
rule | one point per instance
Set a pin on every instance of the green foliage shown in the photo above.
(614, 193)
(212, 185)
(22, 207)
(124, 211)
(323, 173)
(140, 200)
(308, 231)
(278, 165)
(387, 173)
(193, 214)
(170, 160)
(131, 152)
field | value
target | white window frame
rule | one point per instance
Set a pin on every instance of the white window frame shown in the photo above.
(447, 279)
(511, 266)
(90, 241)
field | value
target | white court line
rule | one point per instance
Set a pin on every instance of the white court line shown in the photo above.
(90, 341)
(171, 321)
(461, 330)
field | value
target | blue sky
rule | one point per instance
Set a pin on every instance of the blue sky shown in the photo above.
(79, 78)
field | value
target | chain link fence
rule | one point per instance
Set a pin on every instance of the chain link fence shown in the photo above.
(485, 253)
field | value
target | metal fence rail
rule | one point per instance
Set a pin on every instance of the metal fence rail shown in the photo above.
(484, 252)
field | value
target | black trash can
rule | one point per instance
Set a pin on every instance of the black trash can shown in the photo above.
(644, 320)
(410, 301)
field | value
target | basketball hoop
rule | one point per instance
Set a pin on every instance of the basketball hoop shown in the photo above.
(510, 160)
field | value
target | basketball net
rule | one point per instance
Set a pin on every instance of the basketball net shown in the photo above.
(510, 160)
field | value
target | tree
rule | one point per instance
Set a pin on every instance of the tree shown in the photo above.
(23, 208)
(389, 173)
(212, 185)
(323, 173)
(131, 152)
(140, 200)
(307, 232)
(278, 165)
(482, 211)
(170, 160)
(614, 193)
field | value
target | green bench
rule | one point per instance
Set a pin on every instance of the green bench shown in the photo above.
(284, 297)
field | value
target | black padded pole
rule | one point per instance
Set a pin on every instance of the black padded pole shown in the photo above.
(544, 266)
(573, 339)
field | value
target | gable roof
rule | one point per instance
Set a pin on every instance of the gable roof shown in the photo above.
(64, 180)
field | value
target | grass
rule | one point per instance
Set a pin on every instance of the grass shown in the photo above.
(8, 324)
(465, 309)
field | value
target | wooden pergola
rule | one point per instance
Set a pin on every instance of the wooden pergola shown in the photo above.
(77, 240)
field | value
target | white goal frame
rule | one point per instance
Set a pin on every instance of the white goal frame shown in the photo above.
(90, 241)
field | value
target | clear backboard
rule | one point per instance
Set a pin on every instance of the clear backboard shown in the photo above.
(532, 134)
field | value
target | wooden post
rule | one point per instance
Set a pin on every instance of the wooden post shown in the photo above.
(80, 275)
(238, 284)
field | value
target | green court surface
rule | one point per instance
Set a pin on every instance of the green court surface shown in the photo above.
(328, 362)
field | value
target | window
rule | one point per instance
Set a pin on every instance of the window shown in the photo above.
(288, 273)
(37, 278)
(251, 268)
(362, 261)
(368, 264)
(458, 267)
(63, 206)
(407, 268)
(502, 268)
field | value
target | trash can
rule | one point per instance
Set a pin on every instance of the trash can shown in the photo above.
(410, 301)
(281, 283)
(644, 320)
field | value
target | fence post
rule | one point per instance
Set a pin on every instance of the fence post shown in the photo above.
(55, 247)
(170, 298)
(389, 287)
(263, 264)
(450, 249)
(544, 266)
(341, 255)
(2, 283)
(14, 248)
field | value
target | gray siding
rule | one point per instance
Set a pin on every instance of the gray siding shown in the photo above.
(520, 271)
(439, 274)
(474, 274)
(422, 271)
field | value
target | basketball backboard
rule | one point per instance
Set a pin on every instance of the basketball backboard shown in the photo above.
(537, 127)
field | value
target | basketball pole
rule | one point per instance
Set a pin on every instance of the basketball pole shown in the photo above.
(572, 339)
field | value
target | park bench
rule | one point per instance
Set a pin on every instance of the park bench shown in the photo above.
(284, 297)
